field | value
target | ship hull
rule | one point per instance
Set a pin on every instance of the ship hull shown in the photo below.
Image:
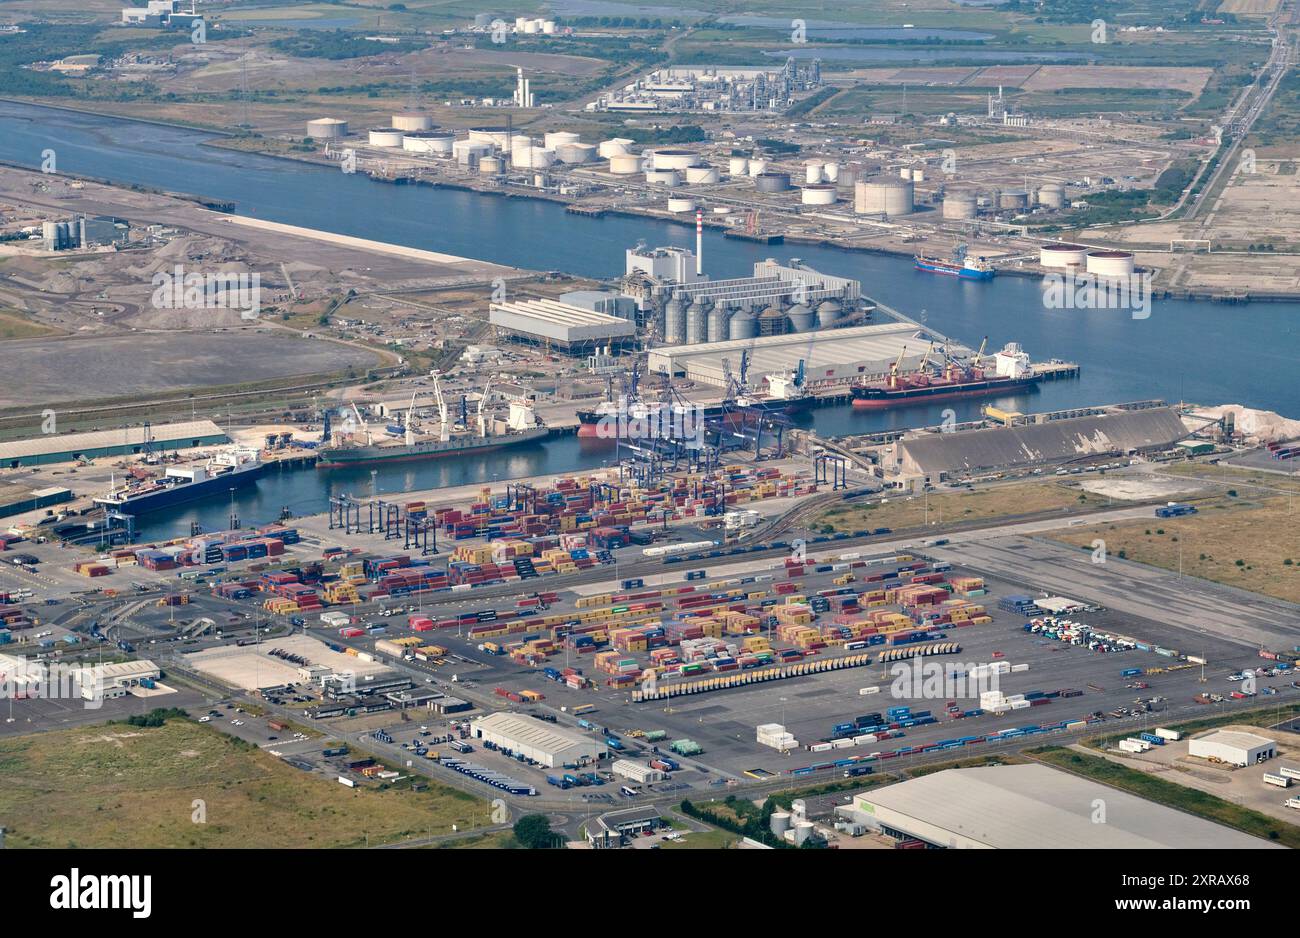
(879, 399)
(953, 270)
(345, 457)
(179, 494)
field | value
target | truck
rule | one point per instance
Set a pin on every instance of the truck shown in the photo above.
(1171, 735)
(1153, 738)
(1174, 510)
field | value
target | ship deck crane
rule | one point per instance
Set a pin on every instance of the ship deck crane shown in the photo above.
(409, 422)
(478, 414)
(362, 421)
(893, 369)
(444, 431)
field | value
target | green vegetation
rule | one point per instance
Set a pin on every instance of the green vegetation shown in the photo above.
(337, 44)
(679, 133)
(182, 784)
(533, 832)
(155, 718)
(1191, 800)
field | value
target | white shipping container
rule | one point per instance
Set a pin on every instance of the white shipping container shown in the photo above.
(866, 740)
(1020, 667)
(1163, 733)
(1285, 771)
(1000, 667)
(1127, 745)
(843, 743)
(347, 781)
(819, 747)
(1020, 705)
(865, 691)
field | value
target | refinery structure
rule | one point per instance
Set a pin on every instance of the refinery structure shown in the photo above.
(714, 88)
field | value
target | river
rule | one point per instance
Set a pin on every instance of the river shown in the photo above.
(1204, 352)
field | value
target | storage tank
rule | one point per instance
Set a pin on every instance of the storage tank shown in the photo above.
(491, 166)
(772, 182)
(848, 178)
(412, 120)
(675, 159)
(918, 175)
(542, 158)
(613, 147)
(780, 822)
(681, 205)
(327, 128)
(743, 325)
(1051, 196)
(812, 171)
(831, 172)
(1013, 200)
(904, 172)
(802, 319)
(822, 193)
(960, 204)
(548, 27)
(496, 136)
(1063, 255)
(385, 137)
(428, 141)
(576, 152)
(738, 166)
(624, 164)
(697, 323)
(701, 175)
(882, 195)
(675, 321)
(468, 151)
(757, 167)
(62, 235)
(718, 323)
(663, 177)
(802, 831)
(1110, 263)
(557, 138)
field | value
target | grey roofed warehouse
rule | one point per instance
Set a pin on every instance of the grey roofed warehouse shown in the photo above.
(548, 744)
(126, 441)
(1033, 807)
(562, 326)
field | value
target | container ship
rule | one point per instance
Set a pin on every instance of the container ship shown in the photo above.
(358, 448)
(1012, 372)
(219, 474)
(786, 394)
(959, 265)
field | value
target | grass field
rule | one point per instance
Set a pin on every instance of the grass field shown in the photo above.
(15, 326)
(115, 785)
(1191, 800)
(1247, 542)
(949, 508)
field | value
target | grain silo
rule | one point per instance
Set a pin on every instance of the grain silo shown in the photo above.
(772, 321)
(327, 128)
(412, 120)
(675, 321)
(883, 195)
(960, 204)
(697, 323)
(802, 318)
(742, 325)
(1051, 196)
(718, 323)
(829, 312)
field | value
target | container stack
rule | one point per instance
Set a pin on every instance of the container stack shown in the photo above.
(774, 735)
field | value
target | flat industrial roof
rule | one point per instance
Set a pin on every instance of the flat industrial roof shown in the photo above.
(557, 320)
(49, 444)
(876, 347)
(535, 733)
(1236, 738)
(1035, 806)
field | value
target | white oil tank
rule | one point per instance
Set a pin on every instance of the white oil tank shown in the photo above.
(738, 166)
(558, 138)
(1110, 263)
(412, 120)
(882, 195)
(1051, 196)
(613, 147)
(675, 159)
(385, 137)
(1062, 255)
(822, 193)
(757, 167)
(831, 172)
(812, 172)
(701, 175)
(663, 177)
(681, 205)
(327, 128)
(624, 164)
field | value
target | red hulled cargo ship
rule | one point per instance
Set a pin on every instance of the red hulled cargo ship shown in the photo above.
(1012, 373)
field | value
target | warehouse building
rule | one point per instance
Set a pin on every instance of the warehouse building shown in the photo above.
(561, 326)
(838, 357)
(24, 499)
(1233, 747)
(547, 744)
(105, 681)
(1034, 807)
(72, 447)
(1045, 442)
(636, 771)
